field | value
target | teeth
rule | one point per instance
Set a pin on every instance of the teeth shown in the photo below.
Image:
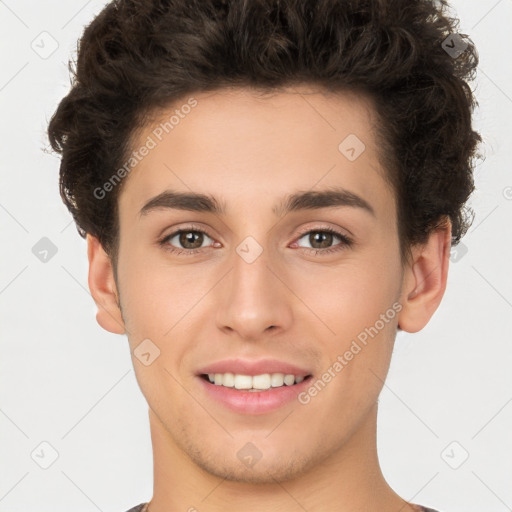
(261, 381)
(277, 380)
(256, 382)
(242, 382)
(228, 380)
(289, 380)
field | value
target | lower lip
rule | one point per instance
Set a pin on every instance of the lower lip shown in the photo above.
(254, 402)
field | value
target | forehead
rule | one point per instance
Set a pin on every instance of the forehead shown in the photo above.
(247, 148)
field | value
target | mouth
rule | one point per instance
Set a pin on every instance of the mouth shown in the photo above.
(254, 395)
(256, 386)
(254, 383)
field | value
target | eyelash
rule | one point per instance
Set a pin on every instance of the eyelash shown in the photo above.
(345, 241)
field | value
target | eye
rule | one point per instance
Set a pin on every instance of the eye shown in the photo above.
(320, 240)
(188, 241)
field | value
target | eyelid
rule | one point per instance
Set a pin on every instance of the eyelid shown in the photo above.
(187, 227)
(337, 231)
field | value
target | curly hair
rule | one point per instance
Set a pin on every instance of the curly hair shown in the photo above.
(137, 56)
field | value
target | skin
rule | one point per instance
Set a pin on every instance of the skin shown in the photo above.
(249, 152)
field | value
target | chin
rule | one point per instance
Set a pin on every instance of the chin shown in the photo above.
(280, 469)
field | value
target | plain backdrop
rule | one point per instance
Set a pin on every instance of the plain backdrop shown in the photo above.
(73, 423)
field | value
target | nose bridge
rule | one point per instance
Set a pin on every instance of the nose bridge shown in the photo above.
(253, 297)
(251, 273)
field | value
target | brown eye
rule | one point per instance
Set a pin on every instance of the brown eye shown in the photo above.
(194, 238)
(185, 240)
(323, 239)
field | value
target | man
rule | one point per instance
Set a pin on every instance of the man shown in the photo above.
(269, 191)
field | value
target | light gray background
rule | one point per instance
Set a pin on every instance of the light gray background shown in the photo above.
(67, 382)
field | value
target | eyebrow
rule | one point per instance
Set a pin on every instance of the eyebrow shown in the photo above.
(298, 201)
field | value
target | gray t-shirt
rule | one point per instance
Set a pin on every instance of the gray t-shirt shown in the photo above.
(419, 508)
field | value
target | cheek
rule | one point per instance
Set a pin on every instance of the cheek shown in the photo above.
(349, 298)
(357, 304)
(356, 357)
(156, 295)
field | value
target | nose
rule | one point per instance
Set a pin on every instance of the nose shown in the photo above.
(255, 301)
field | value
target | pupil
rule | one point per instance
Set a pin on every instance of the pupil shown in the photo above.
(327, 237)
(189, 236)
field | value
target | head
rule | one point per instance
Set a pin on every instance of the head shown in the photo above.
(251, 105)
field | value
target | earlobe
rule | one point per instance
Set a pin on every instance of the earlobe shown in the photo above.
(425, 279)
(103, 287)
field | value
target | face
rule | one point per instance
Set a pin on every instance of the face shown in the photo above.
(249, 283)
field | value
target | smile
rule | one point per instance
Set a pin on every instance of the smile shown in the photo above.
(253, 383)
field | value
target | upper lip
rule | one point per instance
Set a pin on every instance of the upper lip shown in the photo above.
(253, 367)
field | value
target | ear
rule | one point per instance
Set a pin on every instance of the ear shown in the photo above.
(425, 278)
(103, 287)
